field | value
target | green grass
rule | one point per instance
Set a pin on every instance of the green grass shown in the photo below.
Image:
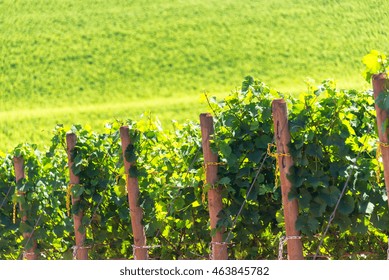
(93, 61)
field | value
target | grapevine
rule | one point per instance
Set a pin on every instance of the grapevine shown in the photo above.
(333, 146)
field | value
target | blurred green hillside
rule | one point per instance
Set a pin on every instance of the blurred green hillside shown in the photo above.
(90, 62)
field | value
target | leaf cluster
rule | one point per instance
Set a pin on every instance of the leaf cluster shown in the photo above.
(98, 162)
(243, 130)
(375, 62)
(34, 205)
(333, 147)
(170, 174)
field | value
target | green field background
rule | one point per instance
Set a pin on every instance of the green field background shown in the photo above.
(91, 62)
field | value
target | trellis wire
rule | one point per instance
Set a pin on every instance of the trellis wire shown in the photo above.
(5, 198)
(134, 247)
(245, 201)
(332, 216)
(283, 239)
(213, 243)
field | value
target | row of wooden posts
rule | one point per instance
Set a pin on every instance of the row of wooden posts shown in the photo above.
(219, 248)
(140, 248)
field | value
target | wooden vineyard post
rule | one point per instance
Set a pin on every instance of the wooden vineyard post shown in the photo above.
(29, 254)
(282, 137)
(80, 252)
(215, 205)
(381, 84)
(136, 212)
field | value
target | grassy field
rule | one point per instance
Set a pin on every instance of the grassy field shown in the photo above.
(91, 62)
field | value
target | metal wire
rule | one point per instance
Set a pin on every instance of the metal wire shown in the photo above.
(247, 195)
(213, 243)
(283, 239)
(5, 198)
(332, 217)
(134, 247)
(76, 248)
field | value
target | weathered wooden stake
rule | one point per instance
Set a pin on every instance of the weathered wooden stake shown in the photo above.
(81, 252)
(136, 212)
(282, 137)
(215, 205)
(29, 254)
(380, 84)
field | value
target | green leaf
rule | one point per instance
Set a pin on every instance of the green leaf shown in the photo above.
(124, 213)
(375, 63)
(330, 195)
(263, 141)
(96, 197)
(317, 207)
(85, 221)
(120, 190)
(225, 149)
(346, 205)
(304, 198)
(342, 221)
(263, 189)
(88, 191)
(179, 203)
(130, 153)
(314, 150)
(380, 221)
(248, 81)
(133, 172)
(360, 228)
(150, 134)
(76, 208)
(76, 169)
(313, 224)
(77, 190)
(59, 230)
(195, 204)
(307, 225)
(225, 181)
(255, 156)
(366, 207)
